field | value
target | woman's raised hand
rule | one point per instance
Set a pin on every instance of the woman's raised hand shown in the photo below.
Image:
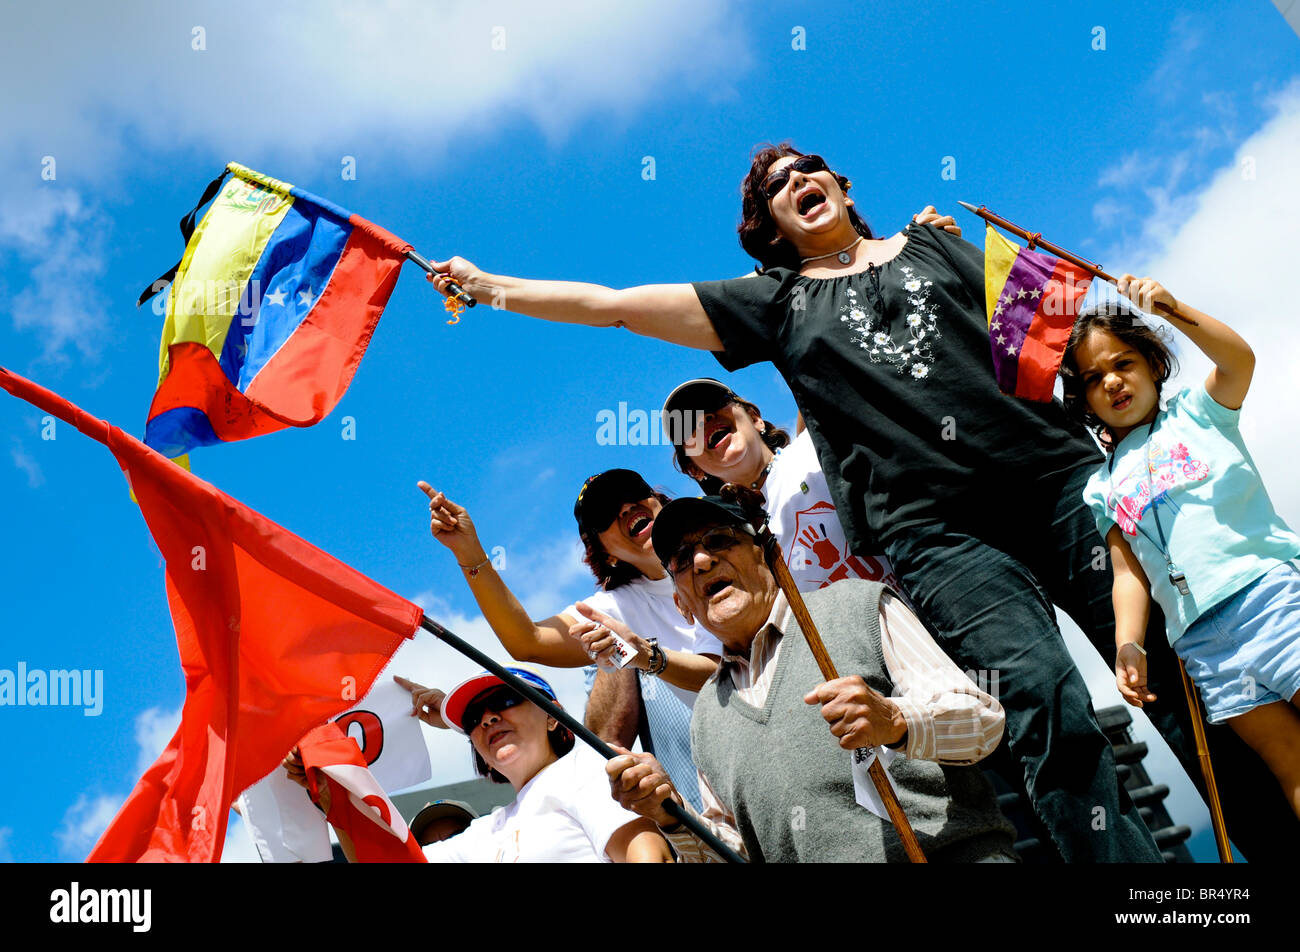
(452, 526)
(930, 216)
(426, 703)
(597, 637)
(454, 269)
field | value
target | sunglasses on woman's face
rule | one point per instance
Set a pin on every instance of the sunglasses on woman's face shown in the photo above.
(807, 164)
(495, 701)
(714, 541)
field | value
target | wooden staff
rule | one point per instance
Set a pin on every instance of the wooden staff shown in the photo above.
(776, 562)
(1036, 239)
(1203, 754)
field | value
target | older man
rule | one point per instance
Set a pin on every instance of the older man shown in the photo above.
(774, 784)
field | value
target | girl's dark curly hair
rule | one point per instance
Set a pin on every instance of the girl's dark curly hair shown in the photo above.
(758, 232)
(772, 435)
(596, 556)
(1126, 324)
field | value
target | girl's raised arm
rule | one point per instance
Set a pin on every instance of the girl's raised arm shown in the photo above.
(1234, 361)
(669, 312)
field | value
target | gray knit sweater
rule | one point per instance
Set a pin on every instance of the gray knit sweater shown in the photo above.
(789, 783)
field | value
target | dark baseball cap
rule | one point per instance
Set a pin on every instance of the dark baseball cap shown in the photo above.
(703, 394)
(604, 494)
(683, 516)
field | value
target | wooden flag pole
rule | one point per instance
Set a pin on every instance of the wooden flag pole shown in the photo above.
(579, 729)
(776, 562)
(1203, 754)
(1037, 240)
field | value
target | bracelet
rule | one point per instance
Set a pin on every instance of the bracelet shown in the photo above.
(658, 659)
(473, 570)
(1142, 651)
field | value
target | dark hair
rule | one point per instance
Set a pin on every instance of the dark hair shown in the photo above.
(758, 232)
(772, 435)
(561, 739)
(596, 556)
(1119, 319)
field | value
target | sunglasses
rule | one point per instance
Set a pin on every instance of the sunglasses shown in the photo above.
(806, 164)
(496, 701)
(714, 541)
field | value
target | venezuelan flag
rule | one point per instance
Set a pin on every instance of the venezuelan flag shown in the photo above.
(1033, 300)
(269, 314)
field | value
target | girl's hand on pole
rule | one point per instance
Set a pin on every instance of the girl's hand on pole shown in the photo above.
(597, 637)
(426, 703)
(1131, 674)
(451, 525)
(1146, 293)
(455, 269)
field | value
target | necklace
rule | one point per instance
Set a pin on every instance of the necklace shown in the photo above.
(766, 469)
(842, 254)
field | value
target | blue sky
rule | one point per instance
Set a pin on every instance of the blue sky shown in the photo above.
(1170, 152)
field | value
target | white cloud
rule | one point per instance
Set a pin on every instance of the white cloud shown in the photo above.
(1231, 255)
(300, 79)
(84, 821)
(24, 461)
(154, 728)
(90, 815)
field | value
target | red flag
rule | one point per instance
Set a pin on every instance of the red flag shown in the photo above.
(358, 805)
(275, 637)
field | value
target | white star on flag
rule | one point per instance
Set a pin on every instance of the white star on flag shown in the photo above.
(1035, 292)
(304, 297)
(276, 298)
(998, 309)
(1020, 293)
(1011, 348)
(996, 325)
(1001, 339)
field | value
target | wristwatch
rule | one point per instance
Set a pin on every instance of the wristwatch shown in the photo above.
(658, 659)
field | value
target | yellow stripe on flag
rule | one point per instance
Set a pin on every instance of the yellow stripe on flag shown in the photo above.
(218, 262)
(999, 256)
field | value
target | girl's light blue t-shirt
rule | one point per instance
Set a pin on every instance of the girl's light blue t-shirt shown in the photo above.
(1220, 526)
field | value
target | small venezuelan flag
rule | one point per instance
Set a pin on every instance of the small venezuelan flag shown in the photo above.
(269, 314)
(1033, 300)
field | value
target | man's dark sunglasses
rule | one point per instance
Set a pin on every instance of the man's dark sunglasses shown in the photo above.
(806, 164)
(714, 541)
(496, 701)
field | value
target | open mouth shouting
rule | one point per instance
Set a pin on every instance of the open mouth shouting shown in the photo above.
(637, 523)
(715, 433)
(1121, 402)
(809, 201)
(718, 586)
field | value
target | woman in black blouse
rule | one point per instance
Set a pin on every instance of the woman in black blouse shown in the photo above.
(975, 497)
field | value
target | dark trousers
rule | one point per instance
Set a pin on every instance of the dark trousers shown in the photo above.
(985, 581)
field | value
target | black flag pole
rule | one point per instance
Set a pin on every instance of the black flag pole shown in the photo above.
(454, 290)
(579, 729)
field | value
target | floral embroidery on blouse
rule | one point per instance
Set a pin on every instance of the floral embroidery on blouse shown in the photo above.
(914, 355)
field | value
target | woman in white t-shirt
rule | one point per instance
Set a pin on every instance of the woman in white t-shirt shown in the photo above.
(720, 438)
(562, 811)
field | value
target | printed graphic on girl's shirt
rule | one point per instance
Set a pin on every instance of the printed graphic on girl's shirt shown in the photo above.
(1134, 493)
(815, 558)
(914, 355)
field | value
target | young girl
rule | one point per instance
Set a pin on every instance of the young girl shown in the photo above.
(1188, 522)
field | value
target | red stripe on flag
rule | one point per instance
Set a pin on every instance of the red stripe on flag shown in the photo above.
(312, 370)
(1044, 344)
(196, 380)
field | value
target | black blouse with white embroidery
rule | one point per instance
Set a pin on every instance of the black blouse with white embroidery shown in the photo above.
(891, 369)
